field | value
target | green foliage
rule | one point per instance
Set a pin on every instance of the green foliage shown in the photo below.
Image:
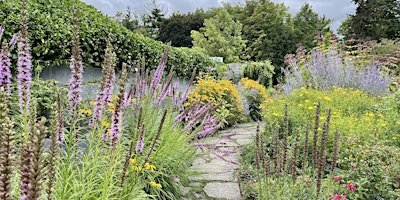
(50, 36)
(306, 23)
(177, 27)
(375, 19)
(267, 32)
(374, 169)
(220, 36)
(259, 71)
(253, 95)
(222, 92)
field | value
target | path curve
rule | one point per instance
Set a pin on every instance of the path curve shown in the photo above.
(215, 169)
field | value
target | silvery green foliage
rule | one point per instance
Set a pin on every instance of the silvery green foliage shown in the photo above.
(325, 70)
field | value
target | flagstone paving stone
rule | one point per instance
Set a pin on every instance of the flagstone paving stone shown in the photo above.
(214, 171)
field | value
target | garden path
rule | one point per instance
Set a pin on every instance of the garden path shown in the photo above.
(215, 169)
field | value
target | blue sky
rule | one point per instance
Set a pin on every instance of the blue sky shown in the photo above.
(337, 10)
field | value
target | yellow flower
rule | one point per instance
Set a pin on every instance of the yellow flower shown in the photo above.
(380, 115)
(307, 101)
(154, 184)
(132, 160)
(137, 168)
(92, 103)
(398, 122)
(275, 114)
(149, 166)
(105, 124)
(371, 114)
(133, 100)
(111, 105)
(86, 112)
(319, 129)
(114, 97)
(310, 107)
(383, 124)
(300, 105)
(327, 98)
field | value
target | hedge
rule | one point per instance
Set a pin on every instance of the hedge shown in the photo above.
(50, 37)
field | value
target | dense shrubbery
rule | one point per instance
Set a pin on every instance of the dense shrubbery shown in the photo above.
(259, 71)
(253, 94)
(218, 92)
(50, 35)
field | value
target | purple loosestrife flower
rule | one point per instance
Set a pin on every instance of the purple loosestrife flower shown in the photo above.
(106, 85)
(160, 69)
(24, 62)
(76, 67)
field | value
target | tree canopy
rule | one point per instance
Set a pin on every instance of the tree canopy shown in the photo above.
(374, 20)
(220, 36)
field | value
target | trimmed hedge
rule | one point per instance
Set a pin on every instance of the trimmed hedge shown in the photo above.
(50, 37)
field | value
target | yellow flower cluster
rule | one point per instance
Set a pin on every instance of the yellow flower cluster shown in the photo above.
(251, 84)
(86, 112)
(207, 89)
(154, 184)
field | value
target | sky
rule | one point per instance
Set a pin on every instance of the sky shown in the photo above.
(337, 10)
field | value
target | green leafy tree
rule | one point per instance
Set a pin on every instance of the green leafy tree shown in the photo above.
(306, 23)
(176, 29)
(376, 19)
(220, 36)
(269, 32)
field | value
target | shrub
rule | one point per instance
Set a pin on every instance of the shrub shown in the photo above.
(50, 36)
(253, 95)
(222, 92)
(259, 71)
(374, 170)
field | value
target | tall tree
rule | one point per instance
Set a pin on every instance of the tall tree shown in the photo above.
(128, 19)
(177, 27)
(220, 36)
(306, 23)
(153, 20)
(376, 19)
(269, 31)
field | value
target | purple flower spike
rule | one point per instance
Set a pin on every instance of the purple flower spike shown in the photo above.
(24, 71)
(76, 67)
(160, 69)
(140, 143)
(13, 41)
(5, 72)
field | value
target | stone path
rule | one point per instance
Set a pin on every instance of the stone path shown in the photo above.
(215, 169)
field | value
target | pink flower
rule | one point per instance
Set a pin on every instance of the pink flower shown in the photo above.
(344, 198)
(337, 197)
(351, 186)
(337, 178)
(354, 165)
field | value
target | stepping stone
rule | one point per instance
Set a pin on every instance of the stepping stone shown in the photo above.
(223, 176)
(227, 190)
